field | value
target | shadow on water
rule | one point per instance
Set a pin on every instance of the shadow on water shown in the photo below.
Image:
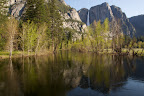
(70, 74)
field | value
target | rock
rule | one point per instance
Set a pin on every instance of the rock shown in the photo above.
(138, 23)
(127, 27)
(101, 12)
(71, 18)
(17, 9)
(113, 13)
(11, 2)
(83, 14)
(74, 14)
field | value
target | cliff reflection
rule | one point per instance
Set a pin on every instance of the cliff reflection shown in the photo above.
(57, 74)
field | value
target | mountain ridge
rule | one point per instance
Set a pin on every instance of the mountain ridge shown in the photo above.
(138, 23)
(113, 13)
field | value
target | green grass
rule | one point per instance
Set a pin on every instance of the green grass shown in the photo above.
(4, 54)
(139, 51)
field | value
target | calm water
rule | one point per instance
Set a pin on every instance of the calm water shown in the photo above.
(72, 74)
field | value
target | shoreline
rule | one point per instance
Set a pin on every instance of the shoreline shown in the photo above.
(18, 54)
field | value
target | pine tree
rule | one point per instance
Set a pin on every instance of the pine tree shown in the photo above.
(3, 11)
(30, 10)
(3, 19)
(56, 25)
(37, 11)
(40, 11)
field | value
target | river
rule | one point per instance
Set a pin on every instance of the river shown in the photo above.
(72, 74)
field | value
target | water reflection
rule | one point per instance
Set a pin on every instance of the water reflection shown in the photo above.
(71, 74)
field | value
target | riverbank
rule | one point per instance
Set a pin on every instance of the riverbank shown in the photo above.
(16, 54)
(5, 55)
(137, 51)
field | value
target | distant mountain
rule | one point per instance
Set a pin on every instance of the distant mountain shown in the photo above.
(138, 23)
(113, 13)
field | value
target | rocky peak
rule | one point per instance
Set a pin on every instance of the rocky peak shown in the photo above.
(138, 23)
(83, 14)
(74, 14)
(127, 27)
(101, 12)
(113, 13)
(117, 12)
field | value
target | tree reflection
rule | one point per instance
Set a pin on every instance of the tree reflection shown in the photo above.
(57, 74)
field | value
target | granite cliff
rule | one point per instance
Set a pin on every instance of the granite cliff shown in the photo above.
(113, 13)
(138, 23)
(127, 27)
(83, 14)
(70, 16)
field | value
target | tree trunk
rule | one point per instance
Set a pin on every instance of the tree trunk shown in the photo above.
(11, 47)
(37, 47)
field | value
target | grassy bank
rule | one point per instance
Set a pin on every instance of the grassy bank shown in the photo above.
(137, 51)
(15, 54)
(4, 54)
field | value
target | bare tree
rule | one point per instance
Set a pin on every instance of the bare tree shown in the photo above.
(41, 38)
(117, 36)
(11, 27)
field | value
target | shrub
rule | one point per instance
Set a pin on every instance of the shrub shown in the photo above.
(78, 47)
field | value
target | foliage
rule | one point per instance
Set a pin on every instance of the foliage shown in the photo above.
(3, 20)
(62, 8)
(42, 30)
(11, 30)
(56, 25)
(29, 36)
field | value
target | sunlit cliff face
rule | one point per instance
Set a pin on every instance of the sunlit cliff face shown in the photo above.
(11, 2)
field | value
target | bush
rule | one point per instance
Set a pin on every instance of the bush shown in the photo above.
(78, 47)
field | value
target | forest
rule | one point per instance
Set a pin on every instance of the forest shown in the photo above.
(40, 30)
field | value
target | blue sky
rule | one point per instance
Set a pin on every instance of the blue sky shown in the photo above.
(130, 7)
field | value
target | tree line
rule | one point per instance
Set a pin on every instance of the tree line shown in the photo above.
(40, 29)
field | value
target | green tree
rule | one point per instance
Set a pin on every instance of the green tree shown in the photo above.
(30, 12)
(56, 25)
(11, 28)
(3, 20)
(37, 11)
(40, 11)
(135, 45)
(99, 36)
(139, 44)
(106, 32)
(29, 36)
(41, 42)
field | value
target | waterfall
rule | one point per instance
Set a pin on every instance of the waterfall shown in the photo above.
(88, 19)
